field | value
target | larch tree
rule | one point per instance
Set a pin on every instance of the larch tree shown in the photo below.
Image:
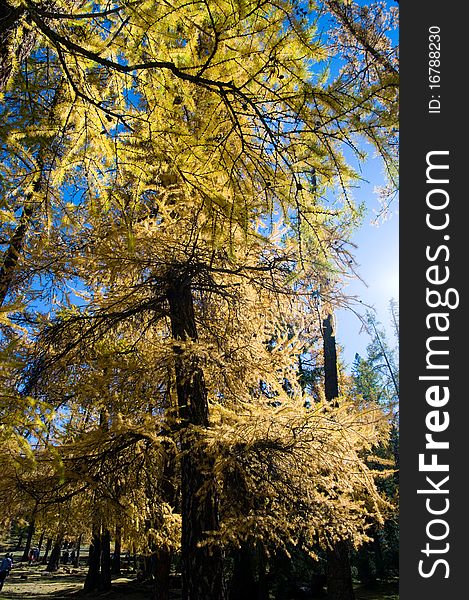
(199, 145)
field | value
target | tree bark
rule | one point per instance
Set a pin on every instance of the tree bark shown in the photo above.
(163, 556)
(77, 557)
(9, 20)
(39, 544)
(202, 568)
(339, 574)
(116, 557)
(29, 539)
(20, 540)
(15, 248)
(105, 559)
(54, 559)
(162, 574)
(47, 550)
(331, 381)
(94, 562)
(378, 553)
(11, 256)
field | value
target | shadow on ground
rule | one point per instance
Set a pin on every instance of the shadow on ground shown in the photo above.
(34, 583)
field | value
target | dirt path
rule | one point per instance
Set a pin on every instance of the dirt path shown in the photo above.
(34, 583)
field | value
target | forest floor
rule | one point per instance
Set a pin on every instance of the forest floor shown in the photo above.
(34, 583)
(383, 591)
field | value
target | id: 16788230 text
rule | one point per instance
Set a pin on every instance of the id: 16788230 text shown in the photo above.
(434, 74)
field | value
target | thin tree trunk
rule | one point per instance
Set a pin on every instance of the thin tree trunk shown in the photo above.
(331, 381)
(20, 540)
(116, 558)
(202, 568)
(12, 255)
(105, 579)
(338, 571)
(378, 552)
(386, 359)
(15, 248)
(39, 544)
(77, 557)
(29, 539)
(263, 584)
(47, 550)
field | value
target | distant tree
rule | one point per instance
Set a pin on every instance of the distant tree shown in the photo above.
(376, 380)
(377, 376)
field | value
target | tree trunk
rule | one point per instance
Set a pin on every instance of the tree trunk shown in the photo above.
(365, 572)
(281, 566)
(77, 557)
(94, 562)
(263, 583)
(39, 544)
(202, 567)
(9, 20)
(162, 574)
(169, 493)
(331, 381)
(116, 557)
(105, 579)
(378, 553)
(20, 540)
(15, 248)
(54, 559)
(47, 550)
(11, 257)
(243, 584)
(29, 539)
(339, 575)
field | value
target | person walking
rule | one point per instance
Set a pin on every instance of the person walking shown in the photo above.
(5, 568)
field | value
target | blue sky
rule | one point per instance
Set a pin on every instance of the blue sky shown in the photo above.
(377, 257)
